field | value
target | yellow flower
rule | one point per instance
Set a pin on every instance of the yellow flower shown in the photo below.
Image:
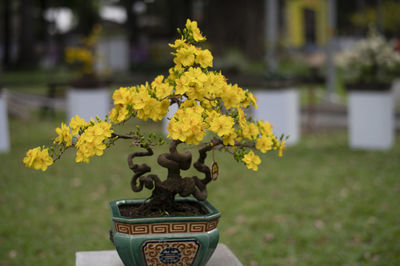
(196, 79)
(264, 144)
(214, 84)
(118, 114)
(182, 84)
(265, 128)
(140, 98)
(229, 139)
(211, 115)
(154, 110)
(178, 43)
(185, 56)
(204, 58)
(187, 125)
(64, 135)
(192, 27)
(232, 96)
(38, 158)
(157, 81)
(253, 100)
(251, 160)
(222, 125)
(250, 131)
(162, 89)
(77, 124)
(123, 95)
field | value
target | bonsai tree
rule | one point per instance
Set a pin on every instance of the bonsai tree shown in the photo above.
(84, 54)
(83, 58)
(207, 105)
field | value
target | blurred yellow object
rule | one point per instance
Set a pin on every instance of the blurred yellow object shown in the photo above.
(304, 18)
(84, 55)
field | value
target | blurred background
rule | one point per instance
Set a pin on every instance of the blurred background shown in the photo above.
(326, 202)
(34, 34)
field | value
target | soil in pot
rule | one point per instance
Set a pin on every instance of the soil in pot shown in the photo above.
(177, 209)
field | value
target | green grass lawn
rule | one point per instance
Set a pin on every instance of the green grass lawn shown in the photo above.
(321, 204)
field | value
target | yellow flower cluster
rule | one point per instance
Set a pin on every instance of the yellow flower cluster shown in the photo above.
(89, 138)
(80, 55)
(85, 54)
(187, 124)
(208, 91)
(64, 135)
(144, 102)
(252, 160)
(38, 158)
(91, 142)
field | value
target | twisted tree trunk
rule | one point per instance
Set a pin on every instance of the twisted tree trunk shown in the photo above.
(164, 192)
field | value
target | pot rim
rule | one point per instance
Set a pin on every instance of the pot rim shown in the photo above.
(212, 214)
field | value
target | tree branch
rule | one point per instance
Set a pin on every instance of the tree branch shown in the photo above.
(200, 165)
(139, 170)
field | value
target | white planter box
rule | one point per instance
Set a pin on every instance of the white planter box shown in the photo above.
(88, 103)
(281, 108)
(4, 130)
(396, 91)
(371, 120)
(171, 111)
(114, 54)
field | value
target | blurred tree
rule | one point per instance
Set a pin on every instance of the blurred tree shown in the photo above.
(178, 12)
(238, 24)
(43, 24)
(131, 23)
(26, 38)
(383, 14)
(87, 12)
(6, 32)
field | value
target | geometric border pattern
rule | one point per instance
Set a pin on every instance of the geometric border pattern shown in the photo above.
(166, 228)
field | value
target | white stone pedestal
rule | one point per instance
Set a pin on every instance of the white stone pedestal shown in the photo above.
(88, 103)
(371, 120)
(281, 108)
(4, 130)
(222, 256)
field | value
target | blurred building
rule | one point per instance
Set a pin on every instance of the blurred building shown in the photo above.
(306, 22)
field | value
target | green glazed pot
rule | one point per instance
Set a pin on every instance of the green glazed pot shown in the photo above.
(170, 240)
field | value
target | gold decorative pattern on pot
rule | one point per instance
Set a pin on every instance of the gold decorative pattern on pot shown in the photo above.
(166, 228)
(123, 228)
(139, 229)
(180, 252)
(178, 227)
(198, 227)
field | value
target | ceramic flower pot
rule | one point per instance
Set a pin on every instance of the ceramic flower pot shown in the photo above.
(371, 119)
(4, 133)
(281, 108)
(165, 240)
(88, 103)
